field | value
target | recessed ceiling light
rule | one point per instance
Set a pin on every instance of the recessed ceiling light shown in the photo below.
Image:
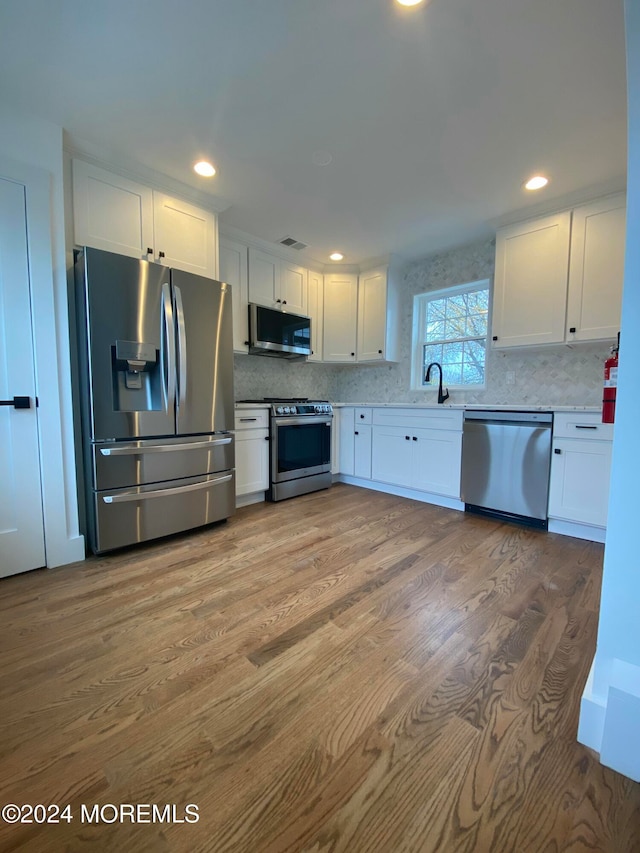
(205, 169)
(336, 256)
(409, 2)
(536, 183)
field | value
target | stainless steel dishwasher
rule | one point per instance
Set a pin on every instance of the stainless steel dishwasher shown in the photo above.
(506, 457)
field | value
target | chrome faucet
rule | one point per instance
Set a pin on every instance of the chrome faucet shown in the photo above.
(441, 396)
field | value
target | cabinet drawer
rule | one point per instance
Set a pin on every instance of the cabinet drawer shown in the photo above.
(252, 419)
(362, 416)
(586, 425)
(419, 418)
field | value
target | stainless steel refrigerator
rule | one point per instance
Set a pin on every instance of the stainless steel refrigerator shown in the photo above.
(156, 389)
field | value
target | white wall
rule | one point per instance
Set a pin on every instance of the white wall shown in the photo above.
(610, 712)
(31, 152)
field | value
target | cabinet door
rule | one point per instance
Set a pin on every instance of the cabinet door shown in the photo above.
(372, 315)
(436, 461)
(579, 482)
(596, 269)
(184, 235)
(233, 270)
(293, 288)
(392, 455)
(315, 310)
(346, 443)
(340, 313)
(264, 277)
(530, 287)
(111, 213)
(252, 461)
(362, 451)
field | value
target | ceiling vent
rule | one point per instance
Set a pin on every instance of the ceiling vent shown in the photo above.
(292, 243)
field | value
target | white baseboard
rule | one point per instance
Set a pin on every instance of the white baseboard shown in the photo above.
(610, 724)
(400, 491)
(246, 500)
(578, 531)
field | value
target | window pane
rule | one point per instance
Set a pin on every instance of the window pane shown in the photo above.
(448, 321)
(452, 374)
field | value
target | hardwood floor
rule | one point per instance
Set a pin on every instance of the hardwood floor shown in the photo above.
(346, 671)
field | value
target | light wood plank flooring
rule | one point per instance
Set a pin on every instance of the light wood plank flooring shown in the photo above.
(345, 671)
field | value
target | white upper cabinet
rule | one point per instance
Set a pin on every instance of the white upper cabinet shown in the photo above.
(233, 270)
(559, 278)
(340, 317)
(530, 285)
(184, 235)
(596, 269)
(361, 317)
(315, 310)
(372, 315)
(277, 283)
(118, 215)
(111, 213)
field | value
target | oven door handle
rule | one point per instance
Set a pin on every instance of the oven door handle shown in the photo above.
(297, 420)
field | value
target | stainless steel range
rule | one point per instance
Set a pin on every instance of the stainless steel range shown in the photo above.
(300, 440)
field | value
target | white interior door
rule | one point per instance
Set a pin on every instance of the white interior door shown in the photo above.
(21, 516)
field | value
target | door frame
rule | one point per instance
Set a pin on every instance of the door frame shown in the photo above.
(63, 543)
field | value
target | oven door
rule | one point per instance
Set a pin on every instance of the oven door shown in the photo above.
(300, 447)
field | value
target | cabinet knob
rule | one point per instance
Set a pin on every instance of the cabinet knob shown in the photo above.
(353, 353)
(284, 301)
(356, 432)
(149, 251)
(362, 416)
(266, 438)
(557, 450)
(246, 343)
(407, 438)
(494, 338)
(415, 438)
(278, 300)
(572, 330)
(379, 352)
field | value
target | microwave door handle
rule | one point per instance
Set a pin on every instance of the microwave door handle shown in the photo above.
(168, 348)
(182, 347)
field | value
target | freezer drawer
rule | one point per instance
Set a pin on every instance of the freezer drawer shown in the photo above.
(117, 464)
(127, 516)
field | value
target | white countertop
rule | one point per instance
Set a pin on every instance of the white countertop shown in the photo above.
(523, 407)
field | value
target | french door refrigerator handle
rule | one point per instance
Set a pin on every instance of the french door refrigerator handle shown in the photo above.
(182, 347)
(164, 448)
(163, 493)
(168, 348)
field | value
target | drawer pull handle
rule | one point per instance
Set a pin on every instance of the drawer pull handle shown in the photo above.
(246, 420)
(586, 426)
(558, 451)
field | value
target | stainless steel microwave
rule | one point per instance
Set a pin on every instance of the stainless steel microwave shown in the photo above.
(278, 333)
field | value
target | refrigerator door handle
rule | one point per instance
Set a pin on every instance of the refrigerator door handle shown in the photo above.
(168, 348)
(182, 347)
(163, 493)
(164, 448)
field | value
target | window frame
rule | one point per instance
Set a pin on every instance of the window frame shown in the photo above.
(420, 300)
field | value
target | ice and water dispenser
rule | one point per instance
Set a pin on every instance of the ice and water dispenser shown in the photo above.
(137, 377)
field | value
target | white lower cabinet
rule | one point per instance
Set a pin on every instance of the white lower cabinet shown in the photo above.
(417, 449)
(362, 444)
(580, 471)
(252, 455)
(423, 459)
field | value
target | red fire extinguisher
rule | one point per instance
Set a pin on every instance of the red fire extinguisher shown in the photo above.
(610, 386)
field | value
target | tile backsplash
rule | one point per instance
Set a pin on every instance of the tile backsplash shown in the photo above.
(562, 375)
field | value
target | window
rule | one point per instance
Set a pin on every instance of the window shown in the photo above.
(451, 326)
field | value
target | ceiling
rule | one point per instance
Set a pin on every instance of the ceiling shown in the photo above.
(432, 117)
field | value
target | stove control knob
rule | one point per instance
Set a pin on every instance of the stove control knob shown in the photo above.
(293, 410)
(280, 410)
(317, 409)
